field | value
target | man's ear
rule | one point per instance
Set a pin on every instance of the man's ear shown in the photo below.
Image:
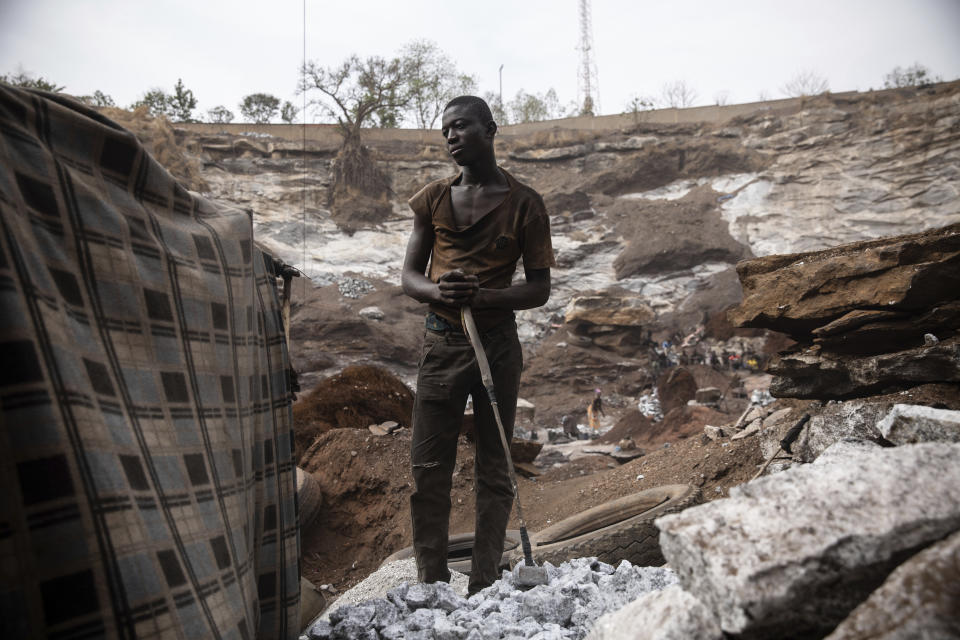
(491, 128)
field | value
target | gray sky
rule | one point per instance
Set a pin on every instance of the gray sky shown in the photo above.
(225, 50)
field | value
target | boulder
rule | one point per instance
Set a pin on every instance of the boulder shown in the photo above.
(910, 423)
(675, 388)
(790, 555)
(608, 309)
(670, 614)
(797, 293)
(918, 600)
(708, 396)
(714, 433)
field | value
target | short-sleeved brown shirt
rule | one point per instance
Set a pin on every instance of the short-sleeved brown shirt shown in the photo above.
(490, 247)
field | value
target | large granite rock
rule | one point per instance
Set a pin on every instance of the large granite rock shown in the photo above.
(670, 614)
(790, 555)
(909, 423)
(920, 599)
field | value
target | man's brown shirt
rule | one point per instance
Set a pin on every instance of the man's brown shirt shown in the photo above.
(489, 248)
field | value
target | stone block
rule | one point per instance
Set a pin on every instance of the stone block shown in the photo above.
(790, 555)
(671, 614)
(751, 429)
(911, 423)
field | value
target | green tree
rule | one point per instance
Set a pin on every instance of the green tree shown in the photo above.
(529, 107)
(28, 81)
(288, 112)
(220, 114)
(496, 108)
(181, 104)
(156, 100)
(912, 76)
(354, 93)
(98, 99)
(260, 108)
(431, 80)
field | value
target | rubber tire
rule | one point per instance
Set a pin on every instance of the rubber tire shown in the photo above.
(460, 548)
(309, 498)
(630, 534)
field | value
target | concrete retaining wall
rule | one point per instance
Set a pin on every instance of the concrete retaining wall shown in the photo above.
(564, 128)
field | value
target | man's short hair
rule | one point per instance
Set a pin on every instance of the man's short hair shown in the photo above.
(477, 105)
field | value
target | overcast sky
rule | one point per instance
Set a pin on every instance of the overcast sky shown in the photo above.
(225, 50)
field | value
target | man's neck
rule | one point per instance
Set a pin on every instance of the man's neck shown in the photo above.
(481, 174)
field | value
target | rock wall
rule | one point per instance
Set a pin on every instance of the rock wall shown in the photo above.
(657, 211)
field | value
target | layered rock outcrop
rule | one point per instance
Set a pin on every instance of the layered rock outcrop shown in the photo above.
(869, 317)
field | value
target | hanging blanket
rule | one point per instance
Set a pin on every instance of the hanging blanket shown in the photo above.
(145, 437)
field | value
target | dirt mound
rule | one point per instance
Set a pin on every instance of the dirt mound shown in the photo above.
(680, 423)
(352, 211)
(632, 424)
(355, 398)
(158, 136)
(365, 516)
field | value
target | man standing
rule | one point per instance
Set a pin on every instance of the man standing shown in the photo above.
(471, 229)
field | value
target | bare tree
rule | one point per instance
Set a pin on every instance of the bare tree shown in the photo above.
(678, 94)
(721, 98)
(354, 93)
(638, 103)
(806, 83)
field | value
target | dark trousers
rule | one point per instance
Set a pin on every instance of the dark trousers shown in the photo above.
(448, 372)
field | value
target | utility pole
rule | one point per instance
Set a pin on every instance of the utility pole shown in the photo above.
(587, 84)
(501, 91)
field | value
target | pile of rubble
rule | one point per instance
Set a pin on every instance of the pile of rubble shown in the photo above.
(578, 593)
(869, 317)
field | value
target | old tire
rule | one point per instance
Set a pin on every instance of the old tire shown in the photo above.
(460, 550)
(309, 498)
(618, 530)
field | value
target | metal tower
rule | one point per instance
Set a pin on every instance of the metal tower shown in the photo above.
(588, 94)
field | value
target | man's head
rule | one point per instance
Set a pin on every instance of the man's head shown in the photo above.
(469, 129)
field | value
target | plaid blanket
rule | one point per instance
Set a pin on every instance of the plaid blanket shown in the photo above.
(145, 423)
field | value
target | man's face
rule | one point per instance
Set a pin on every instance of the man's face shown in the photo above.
(468, 138)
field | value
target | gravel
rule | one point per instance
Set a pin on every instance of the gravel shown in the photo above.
(579, 592)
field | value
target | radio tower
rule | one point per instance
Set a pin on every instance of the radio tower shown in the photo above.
(587, 89)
